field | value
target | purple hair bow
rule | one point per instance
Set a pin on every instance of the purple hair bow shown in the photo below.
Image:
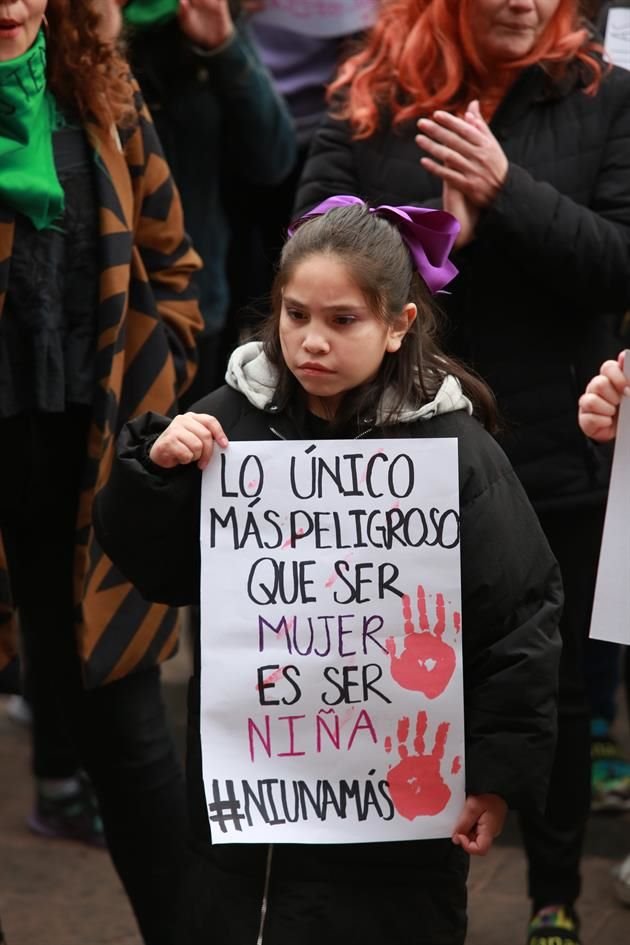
(428, 234)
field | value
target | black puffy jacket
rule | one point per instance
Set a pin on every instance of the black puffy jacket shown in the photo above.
(147, 520)
(547, 278)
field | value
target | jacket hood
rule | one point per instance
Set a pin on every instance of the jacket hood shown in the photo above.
(250, 373)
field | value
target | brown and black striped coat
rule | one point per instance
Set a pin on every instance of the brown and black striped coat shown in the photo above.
(147, 321)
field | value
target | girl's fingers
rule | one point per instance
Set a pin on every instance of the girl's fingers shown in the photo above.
(212, 424)
(183, 446)
(169, 452)
(203, 425)
(597, 427)
(607, 388)
(206, 453)
(593, 403)
(208, 429)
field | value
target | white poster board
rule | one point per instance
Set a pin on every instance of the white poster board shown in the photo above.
(610, 619)
(331, 678)
(617, 36)
(323, 18)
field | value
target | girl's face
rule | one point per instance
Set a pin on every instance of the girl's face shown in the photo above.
(505, 30)
(20, 21)
(331, 339)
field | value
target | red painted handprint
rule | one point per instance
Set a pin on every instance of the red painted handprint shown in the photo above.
(416, 785)
(426, 663)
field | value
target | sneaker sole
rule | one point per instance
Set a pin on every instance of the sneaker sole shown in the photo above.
(610, 805)
(38, 827)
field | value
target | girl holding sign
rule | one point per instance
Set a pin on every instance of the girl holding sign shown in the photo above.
(350, 351)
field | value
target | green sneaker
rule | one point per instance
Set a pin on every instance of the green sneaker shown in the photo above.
(554, 925)
(610, 771)
(75, 817)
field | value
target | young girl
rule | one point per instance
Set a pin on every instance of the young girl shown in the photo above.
(349, 351)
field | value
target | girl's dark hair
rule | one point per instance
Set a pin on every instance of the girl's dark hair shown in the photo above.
(381, 265)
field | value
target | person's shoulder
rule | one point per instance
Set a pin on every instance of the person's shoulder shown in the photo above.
(616, 80)
(482, 462)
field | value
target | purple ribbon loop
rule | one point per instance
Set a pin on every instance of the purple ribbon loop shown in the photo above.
(428, 234)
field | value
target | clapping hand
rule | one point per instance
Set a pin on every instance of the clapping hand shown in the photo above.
(464, 154)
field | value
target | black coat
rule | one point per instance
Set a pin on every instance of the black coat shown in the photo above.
(366, 894)
(548, 273)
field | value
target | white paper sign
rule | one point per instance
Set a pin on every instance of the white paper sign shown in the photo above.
(323, 18)
(617, 38)
(331, 680)
(611, 607)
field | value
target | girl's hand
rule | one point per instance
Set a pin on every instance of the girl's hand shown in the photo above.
(464, 212)
(189, 437)
(479, 823)
(206, 23)
(464, 153)
(599, 404)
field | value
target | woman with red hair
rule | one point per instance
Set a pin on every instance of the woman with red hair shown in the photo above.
(506, 113)
(98, 322)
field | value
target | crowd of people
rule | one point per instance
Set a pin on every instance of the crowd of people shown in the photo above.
(215, 230)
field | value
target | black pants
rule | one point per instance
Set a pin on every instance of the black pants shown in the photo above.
(554, 842)
(118, 732)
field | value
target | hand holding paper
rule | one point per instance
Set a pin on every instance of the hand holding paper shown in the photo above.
(188, 438)
(599, 404)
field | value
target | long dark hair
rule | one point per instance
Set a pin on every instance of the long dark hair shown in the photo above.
(381, 265)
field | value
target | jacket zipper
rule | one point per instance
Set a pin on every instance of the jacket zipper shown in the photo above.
(265, 898)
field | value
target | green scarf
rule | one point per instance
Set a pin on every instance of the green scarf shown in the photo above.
(142, 14)
(28, 178)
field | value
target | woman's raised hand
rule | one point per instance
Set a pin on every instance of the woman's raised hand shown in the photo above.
(207, 23)
(599, 404)
(464, 154)
(188, 438)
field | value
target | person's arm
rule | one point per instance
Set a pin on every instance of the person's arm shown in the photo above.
(259, 129)
(511, 605)
(146, 516)
(164, 246)
(581, 252)
(146, 519)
